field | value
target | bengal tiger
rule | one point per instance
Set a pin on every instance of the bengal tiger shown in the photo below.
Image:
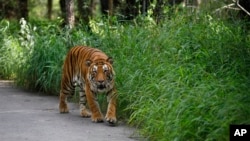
(91, 70)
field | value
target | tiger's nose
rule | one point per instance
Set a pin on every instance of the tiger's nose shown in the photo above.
(100, 81)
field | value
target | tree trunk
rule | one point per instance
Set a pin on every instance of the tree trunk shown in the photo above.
(23, 9)
(63, 11)
(93, 4)
(83, 10)
(14, 9)
(70, 17)
(145, 6)
(108, 6)
(132, 9)
(8, 9)
(105, 6)
(111, 7)
(158, 11)
(49, 7)
(175, 2)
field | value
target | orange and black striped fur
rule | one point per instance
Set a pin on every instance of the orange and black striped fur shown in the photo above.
(92, 71)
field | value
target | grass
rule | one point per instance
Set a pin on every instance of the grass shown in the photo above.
(9, 48)
(186, 79)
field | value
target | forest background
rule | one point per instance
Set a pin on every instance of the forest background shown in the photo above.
(182, 67)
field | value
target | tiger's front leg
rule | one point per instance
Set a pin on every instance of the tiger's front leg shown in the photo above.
(96, 115)
(111, 112)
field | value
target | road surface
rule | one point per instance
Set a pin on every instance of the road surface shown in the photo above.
(26, 116)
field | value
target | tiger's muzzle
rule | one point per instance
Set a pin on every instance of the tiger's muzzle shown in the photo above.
(101, 85)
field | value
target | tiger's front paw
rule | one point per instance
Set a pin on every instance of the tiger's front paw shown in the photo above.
(97, 118)
(111, 119)
(63, 108)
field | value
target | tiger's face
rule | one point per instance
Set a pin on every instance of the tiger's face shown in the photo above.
(100, 75)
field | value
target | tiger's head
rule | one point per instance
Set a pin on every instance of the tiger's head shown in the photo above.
(100, 75)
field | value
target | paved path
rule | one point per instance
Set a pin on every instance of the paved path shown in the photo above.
(26, 116)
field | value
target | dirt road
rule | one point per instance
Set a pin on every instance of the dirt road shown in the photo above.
(26, 116)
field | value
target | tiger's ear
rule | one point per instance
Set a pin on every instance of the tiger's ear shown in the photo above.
(88, 62)
(110, 60)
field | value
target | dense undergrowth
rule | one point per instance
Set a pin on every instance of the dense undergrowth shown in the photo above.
(185, 79)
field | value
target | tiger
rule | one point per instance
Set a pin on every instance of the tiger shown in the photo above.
(91, 70)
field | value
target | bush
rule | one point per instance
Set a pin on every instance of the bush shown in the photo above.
(186, 79)
(10, 50)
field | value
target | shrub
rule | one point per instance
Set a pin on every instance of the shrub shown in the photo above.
(11, 51)
(186, 79)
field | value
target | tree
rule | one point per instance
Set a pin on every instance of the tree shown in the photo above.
(49, 7)
(67, 10)
(160, 4)
(8, 9)
(23, 9)
(108, 6)
(131, 10)
(63, 11)
(13, 9)
(83, 10)
(70, 16)
(134, 8)
(158, 9)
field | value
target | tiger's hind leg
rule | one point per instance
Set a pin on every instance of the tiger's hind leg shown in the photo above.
(63, 107)
(84, 111)
(66, 90)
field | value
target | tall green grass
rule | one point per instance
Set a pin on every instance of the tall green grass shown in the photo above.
(186, 79)
(9, 50)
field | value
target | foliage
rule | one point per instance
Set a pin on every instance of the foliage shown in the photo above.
(186, 79)
(42, 69)
(10, 50)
